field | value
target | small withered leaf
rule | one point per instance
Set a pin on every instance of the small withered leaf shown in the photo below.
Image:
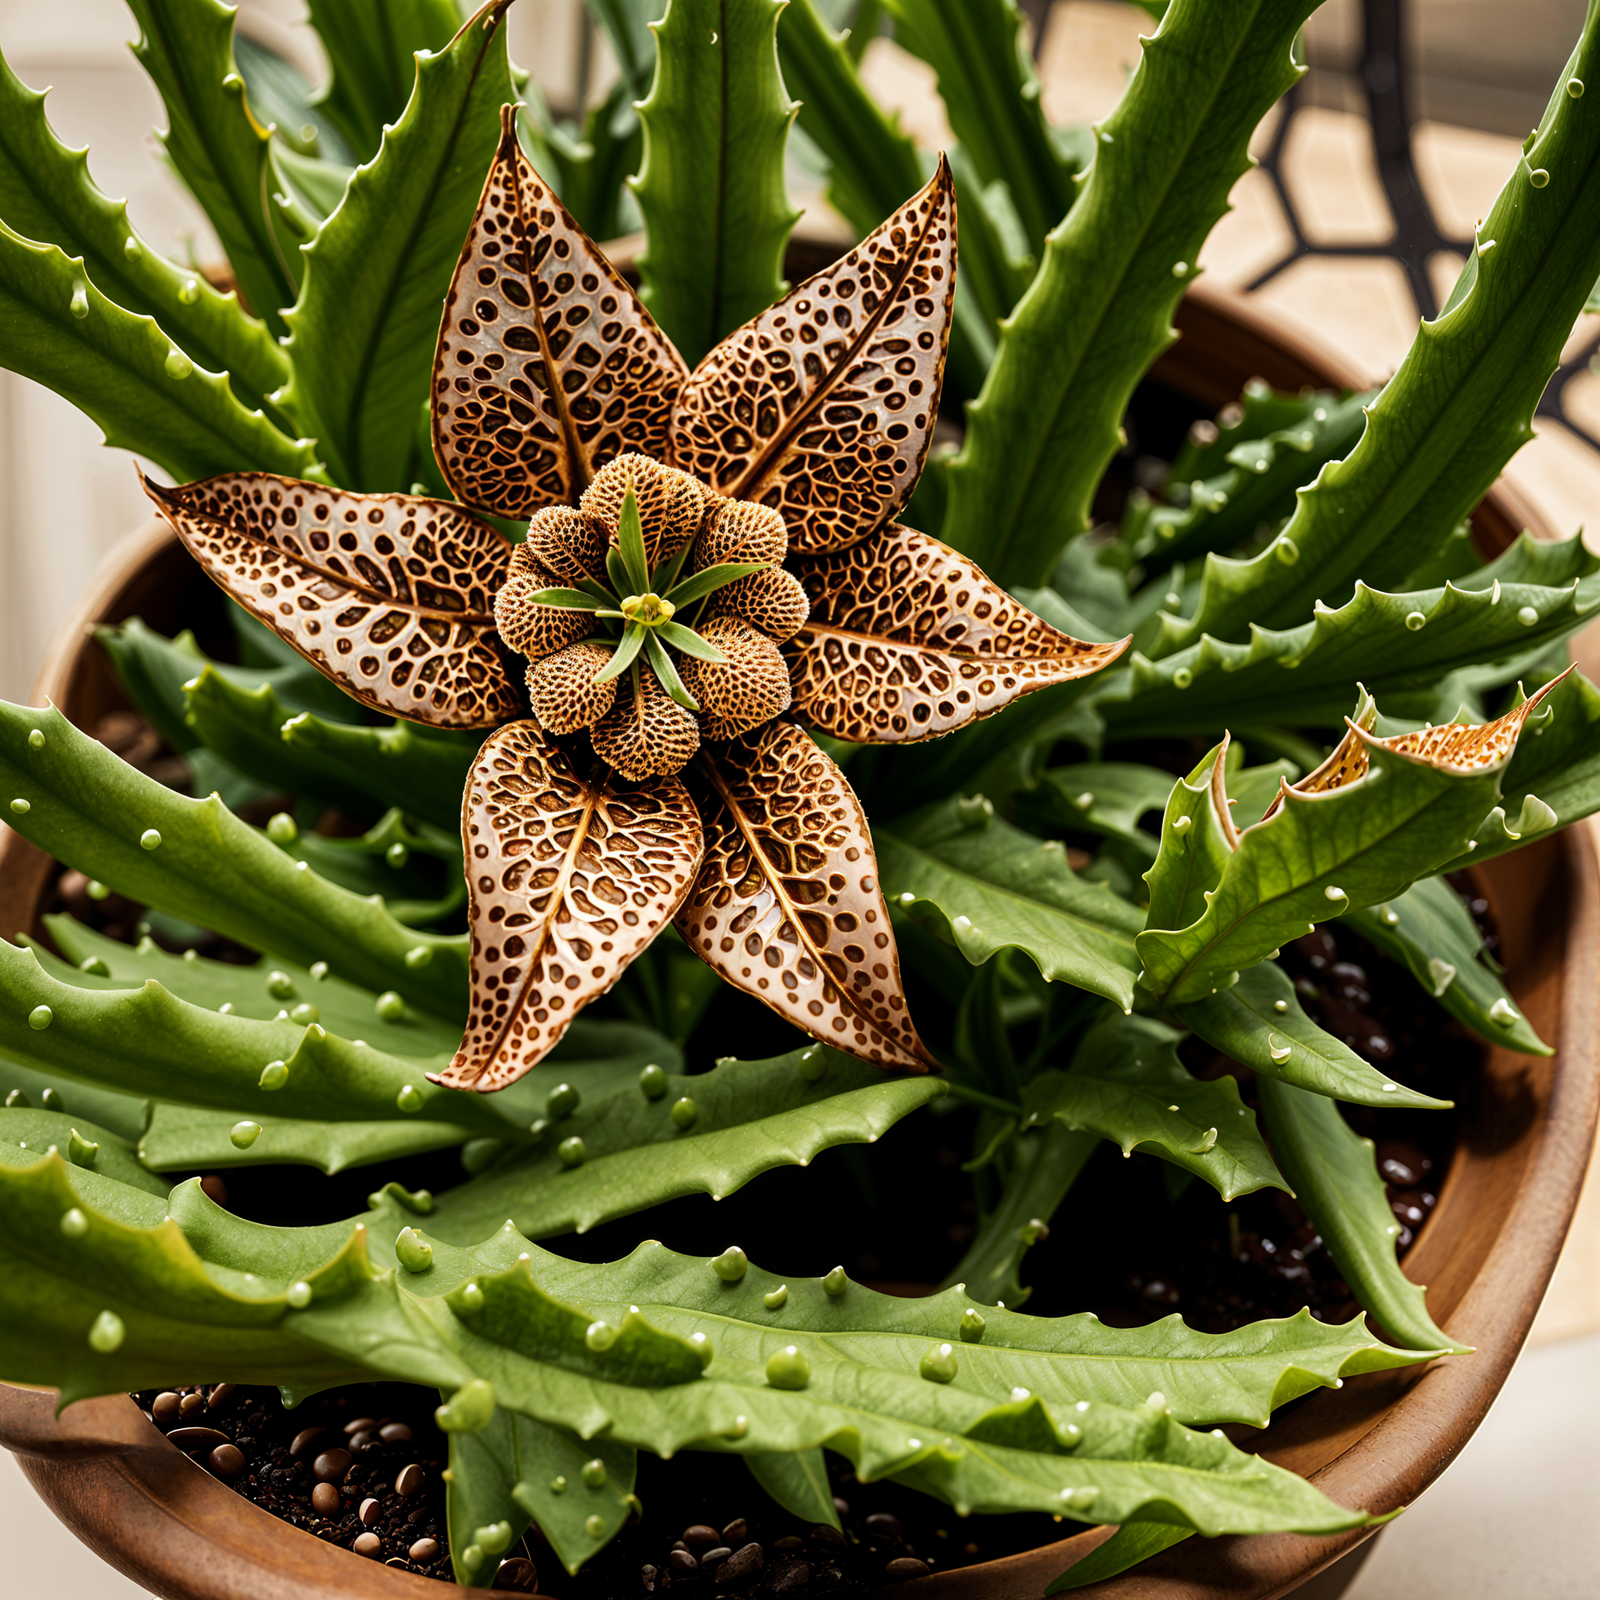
(908, 640)
(569, 879)
(823, 406)
(788, 906)
(389, 596)
(547, 365)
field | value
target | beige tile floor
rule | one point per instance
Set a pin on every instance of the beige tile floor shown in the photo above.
(1515, 1516)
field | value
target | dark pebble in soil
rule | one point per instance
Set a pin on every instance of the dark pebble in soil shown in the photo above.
(903, 1567)
(303, 1441)
(682, 1561)
(189, 1439)
(884, 1525)
(367, 1544)
(736, 1534)
(410, 1480)
(332, 1465)
(741, 1567)
(164, 1408)
(700, 1537)
(227, 1461)
(712, 1557)
(325, 1499)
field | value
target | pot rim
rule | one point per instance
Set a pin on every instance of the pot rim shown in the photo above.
(138, 1502)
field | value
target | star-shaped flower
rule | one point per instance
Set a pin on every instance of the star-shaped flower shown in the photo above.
(708, 553)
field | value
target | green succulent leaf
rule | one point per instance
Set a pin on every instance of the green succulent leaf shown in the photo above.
(1048, 420)
(991, 92)
(376, 275)
(126, 375)
(711, 186)
(741, 1119)
(516, 1470)
(1320, 855)
(1254, 485)
(23, 1087)
(1431, 932)
(798, 1481)
(1261, 1024)
(47, 195)
(710, 580)
(1132, 1543)
(995, 887)
(1127, 1085)
(1461, 404)
(1105, 797)
(1403, 647)
(220, 150)
(195, 860)
(1197, 842)
(371, 47)
(1336, 1180)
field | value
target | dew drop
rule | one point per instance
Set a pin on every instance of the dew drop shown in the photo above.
(1182, 678)
(390, 1007)
(1333, 892)
(683, 1113)
(412, 1251)
(1538, 177)
(471, 1297)
(600, 1336)
(1180, 269)
(1278, 1052)
(1527, 616)
(835, 1283)
(595, 1527)
(418, 956)
(80, 300)
(562, 1101)
(558, 1485)
(1280, 1006)
(21, 807)
(652, 1082)
(177, 364)
(1286, 550)
(81, 1152)
(731, 1265)
(298, 1294)
(813, 1064)
(1575, 88)
(572, 1152)
(107, 1333)
(274, 1075)
(319, 970)
(244, 1134)
(304, 1014)
(409, 1098)
(774, 1299)
(972, 1326)
(594, 1474)
(74, 1224)
(1179, 824)
(131, 248)
(1502, 1013)
(938, 1363)
(36, 739)
(788, 1369)
(1415, 620)
(281, 828)
(40, 1017)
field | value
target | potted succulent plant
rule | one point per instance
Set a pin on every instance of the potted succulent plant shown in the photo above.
(580, 655)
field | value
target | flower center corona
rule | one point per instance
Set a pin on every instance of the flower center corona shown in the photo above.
(651, 614)
(649, 610)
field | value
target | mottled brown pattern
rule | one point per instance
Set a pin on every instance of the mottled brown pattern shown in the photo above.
(562, 690)
(735, 530)
(547, 366)
(908, 640)
(787, 906)
(670, 503)
(751, 686)
(823, 406)
(391, 597)
(773, 601)
(566, 544)
(570, 878)
(529, 628)
(645, 734)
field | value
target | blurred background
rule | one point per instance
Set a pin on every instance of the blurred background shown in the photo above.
(1341, 233)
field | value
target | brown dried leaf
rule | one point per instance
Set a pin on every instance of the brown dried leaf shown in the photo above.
(823, 406)
(569, 878)
(908, 640)
(390, 596)
(548, 366)
(787, 906)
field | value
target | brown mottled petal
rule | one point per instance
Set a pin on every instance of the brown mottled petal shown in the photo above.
(908, 640)
(1464, 746)
(645, 733)
(527, 627)
(670, 503)
(773, 601)
(568, 545)
(562, 690)
(547, 365)
(390, 596)
(735, 530)
(751, 686)
(1345, 763)
(787, 906)
(569, 879)
(823, 406)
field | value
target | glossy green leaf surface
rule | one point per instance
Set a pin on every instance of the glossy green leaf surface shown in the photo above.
(711, 187)
(1336, 1180)
(1461, 404)
(219, 149)
(1430, 930)
(1261, 1024)
(196, 860)
(1127, 1085)
(1099, 311)
(364, 328)
(126, 375)
(47, 195)
(995, 887)
(1132, 1543)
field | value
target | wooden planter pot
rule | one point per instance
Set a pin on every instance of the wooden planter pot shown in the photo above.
(1486, 1253)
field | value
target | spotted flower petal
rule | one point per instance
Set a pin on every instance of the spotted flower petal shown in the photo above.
(787, 906)
(570, 878)
(823, 406)
(908, 640)
(389, 596)
(548, 366)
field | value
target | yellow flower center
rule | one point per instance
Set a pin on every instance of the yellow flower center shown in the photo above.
(648, 609)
